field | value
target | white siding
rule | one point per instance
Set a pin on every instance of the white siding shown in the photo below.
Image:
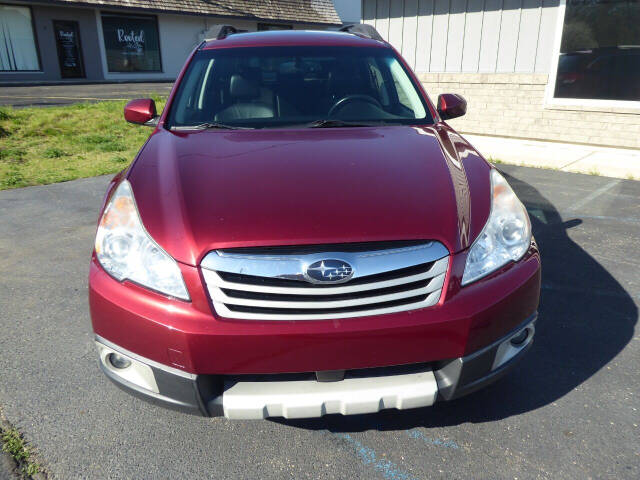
(455, 37)
(472, 35)
(492, 17)
(509, 28)
(396, 20)
(382, 17)
(528, 36)
(369, 12)
(423, 38)
(468, 35)
(546, 35)
(439, 35)
(410, 30)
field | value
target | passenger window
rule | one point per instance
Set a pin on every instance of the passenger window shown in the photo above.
(407, 95)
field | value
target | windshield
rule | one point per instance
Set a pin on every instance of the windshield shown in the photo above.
(291, 86)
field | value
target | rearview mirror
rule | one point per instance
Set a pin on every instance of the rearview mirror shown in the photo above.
(451, 105)
(141, 111)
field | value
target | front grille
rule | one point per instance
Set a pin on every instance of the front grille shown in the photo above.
(282, 282)
(325, 247)
(270, 284)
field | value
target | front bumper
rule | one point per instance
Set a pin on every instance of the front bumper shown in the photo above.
(194, 338)
(255, 397)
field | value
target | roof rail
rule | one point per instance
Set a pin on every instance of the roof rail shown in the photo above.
(220, 32)
(364, 30)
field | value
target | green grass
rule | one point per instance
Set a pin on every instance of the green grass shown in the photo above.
(55, 144)
(13, 443)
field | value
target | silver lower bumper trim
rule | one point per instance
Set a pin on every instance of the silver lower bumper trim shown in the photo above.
(305, 399)
(212, 395)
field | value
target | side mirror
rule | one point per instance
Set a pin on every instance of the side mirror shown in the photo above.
(451, 105)
(141, 111)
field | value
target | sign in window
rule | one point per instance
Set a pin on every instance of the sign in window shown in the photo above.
(600, 51)
(132, 43)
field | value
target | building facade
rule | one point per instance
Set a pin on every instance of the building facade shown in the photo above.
(129, 40)
(560, 70)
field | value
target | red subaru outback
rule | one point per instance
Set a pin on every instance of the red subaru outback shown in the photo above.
(303, 234)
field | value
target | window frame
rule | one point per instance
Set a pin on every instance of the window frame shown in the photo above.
(35, 40)
(551, 101)
(101, 14)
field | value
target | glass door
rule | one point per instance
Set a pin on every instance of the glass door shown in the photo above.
(69, 52)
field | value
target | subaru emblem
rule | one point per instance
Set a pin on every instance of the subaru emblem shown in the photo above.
(329, 271)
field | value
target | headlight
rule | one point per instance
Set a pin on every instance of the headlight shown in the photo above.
(506, 236)
(127, 251)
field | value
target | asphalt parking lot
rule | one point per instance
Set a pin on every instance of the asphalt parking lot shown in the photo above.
(50, 95)
(570, 411)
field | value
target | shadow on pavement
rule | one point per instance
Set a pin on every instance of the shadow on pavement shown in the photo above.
(585, 319)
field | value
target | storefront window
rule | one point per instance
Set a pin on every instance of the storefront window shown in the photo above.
(17, 41)
(600, 51)
(131, 43)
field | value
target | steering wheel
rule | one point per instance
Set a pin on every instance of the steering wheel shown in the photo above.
(353, 98)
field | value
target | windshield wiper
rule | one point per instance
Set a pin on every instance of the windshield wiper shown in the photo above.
(209, 125)
(333, 123)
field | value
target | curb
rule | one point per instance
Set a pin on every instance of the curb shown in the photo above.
(8, 464)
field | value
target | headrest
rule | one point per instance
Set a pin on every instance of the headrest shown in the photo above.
(241, 87)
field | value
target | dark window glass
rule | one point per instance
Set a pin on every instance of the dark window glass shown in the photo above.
(273, 26)
(600, 50)
(293, 86)
(131, 43)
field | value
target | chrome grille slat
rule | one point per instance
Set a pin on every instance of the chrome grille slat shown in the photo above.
(212, 278)
(422, 289)
(219, 296)
(431, 300)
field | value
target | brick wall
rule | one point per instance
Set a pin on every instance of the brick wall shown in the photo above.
(512, 105)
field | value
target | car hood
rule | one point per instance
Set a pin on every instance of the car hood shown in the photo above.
(203, 190)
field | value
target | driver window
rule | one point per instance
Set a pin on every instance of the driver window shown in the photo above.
(192, 92)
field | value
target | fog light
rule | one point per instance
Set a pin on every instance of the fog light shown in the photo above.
(118, 361)
(520, 337)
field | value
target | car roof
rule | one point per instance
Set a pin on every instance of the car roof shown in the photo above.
(292, 38)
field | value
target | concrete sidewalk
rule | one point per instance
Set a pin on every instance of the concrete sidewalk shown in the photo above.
(591, 159)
